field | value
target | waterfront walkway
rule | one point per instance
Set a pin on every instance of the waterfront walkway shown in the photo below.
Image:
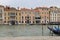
(31, 38)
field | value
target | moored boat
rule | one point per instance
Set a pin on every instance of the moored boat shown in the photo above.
(55, 31)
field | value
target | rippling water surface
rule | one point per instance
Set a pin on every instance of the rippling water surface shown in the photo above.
(25, 30)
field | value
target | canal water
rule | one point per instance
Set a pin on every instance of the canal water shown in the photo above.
(25, 30)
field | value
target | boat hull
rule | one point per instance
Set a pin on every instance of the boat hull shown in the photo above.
(54, 31)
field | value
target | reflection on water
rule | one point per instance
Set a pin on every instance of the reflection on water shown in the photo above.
(25, 30)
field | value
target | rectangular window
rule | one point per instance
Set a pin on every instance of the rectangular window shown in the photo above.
(42, 21)
(22, 17)
(12, 14)
(47, 21)
(22, 22)
(16, 13)
(33, 21)
(30, 21)
(19, 13)
(5, 14)
(42, 9)
(55, 14)
(8, 17)
(45, 12)
(29, 12)
(5, 18)
(25, 22)
(42, 12)
(47, 17)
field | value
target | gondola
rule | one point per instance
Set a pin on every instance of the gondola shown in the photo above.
(55, 31)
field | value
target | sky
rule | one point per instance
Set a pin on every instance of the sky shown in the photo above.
(30, 3)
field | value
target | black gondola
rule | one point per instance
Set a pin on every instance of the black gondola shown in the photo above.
(55, 31)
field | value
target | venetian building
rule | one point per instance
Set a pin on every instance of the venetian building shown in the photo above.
(11, 15)
(44, 13)
(1, 14)
(37, 17)
(54, 15)
(52, 8)
(27, 16)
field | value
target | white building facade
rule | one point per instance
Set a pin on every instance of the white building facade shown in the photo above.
(1, 14)
(55, 16)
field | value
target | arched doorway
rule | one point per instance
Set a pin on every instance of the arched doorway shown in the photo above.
(12, 22)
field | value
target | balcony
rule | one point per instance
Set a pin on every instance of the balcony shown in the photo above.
(12, 14)
(12, 18)
(37, 17)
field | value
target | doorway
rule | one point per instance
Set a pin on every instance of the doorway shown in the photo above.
(12, 22)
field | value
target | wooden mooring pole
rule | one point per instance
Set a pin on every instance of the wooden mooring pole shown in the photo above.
(42, 30)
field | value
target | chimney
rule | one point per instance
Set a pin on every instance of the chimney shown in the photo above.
(7, 7)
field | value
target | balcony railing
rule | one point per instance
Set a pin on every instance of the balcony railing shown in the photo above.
(12, 15)
(37, 17)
